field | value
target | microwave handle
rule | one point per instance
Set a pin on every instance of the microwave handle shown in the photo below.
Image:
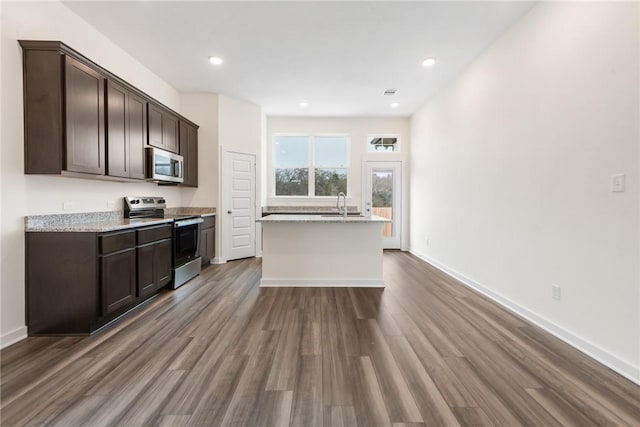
(177, 169)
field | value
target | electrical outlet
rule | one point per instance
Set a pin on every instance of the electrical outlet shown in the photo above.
(556, 292)
(111, 204)
(617, 183)
(427, 242)
(68, 206)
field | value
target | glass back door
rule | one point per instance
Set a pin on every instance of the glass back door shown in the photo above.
(383, 198)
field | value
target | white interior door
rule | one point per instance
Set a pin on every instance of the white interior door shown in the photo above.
(383, 197)
(238, 203)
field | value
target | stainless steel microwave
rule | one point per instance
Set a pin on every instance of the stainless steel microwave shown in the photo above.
(163, 166)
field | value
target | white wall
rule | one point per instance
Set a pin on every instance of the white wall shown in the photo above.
(240, 130)
(36, 194)
(511, 170)
(202, 109)
(358, 129)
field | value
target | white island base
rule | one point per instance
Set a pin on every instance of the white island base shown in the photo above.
(315, 251)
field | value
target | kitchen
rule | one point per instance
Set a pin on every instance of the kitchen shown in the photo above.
(439, 181)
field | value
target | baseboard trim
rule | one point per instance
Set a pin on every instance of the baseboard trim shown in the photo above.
(602, 356)
(13, 337)
(321, 283)
(218, 261)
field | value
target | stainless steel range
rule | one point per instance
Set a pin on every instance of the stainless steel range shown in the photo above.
(186, 235)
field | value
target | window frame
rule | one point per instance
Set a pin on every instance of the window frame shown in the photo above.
(385, 135)
(311, 194)
(273, 166)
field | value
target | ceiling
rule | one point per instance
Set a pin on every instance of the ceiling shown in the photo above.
(339, 57)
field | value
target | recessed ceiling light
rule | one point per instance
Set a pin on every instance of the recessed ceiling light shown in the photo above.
(215, 60)
(429, 62)
(303, 104)
(394, 104)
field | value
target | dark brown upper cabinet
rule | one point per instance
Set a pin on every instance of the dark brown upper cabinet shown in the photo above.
(189, 151)
(64, 112)
(84, 102)
(163, 128)
(126, 132)
(81, 118)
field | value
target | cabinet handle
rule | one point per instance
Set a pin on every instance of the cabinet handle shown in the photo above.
(228, 212)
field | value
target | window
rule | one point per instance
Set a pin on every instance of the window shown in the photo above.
(311, 166)
(383, 143)
(291, 161)
(331, 165)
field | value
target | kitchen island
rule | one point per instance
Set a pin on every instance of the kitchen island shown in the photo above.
(322, 250)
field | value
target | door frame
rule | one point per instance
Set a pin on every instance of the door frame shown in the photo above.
(224, 234)
(398, 196)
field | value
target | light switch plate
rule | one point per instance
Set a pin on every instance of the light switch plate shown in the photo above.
(111, 204)
(617, 183)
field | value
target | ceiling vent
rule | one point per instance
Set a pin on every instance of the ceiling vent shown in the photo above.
(390, 92)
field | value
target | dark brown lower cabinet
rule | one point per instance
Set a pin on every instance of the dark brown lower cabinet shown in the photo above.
(162, 266)
(79, 282)
(154, 266)
(207, 239)
(118, 280)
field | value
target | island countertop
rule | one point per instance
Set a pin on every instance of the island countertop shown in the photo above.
(322, 218)
(322, 250)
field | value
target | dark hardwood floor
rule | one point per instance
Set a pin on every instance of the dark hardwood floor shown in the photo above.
(221, 351)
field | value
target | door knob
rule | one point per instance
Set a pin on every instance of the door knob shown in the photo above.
(228, 212)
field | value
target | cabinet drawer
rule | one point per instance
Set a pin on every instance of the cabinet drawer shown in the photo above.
(209, 221)
(117, 241)
(151, 234)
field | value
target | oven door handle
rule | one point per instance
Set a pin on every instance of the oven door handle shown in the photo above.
(185, 222)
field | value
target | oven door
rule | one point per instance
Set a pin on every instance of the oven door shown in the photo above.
(186, 244)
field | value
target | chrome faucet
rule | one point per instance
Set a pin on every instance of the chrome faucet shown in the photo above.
(343, 211)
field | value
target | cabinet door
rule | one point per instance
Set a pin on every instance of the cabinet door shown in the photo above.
(211, 241)
(155, 126)
(84, 101)
(162, 266)
(117, 130)
(203, 244)
(163, 128)
(170, 132)
(146, 280)
(137, 117)
(154, 266)
(189, 151)
(207, 243)
(118, 280)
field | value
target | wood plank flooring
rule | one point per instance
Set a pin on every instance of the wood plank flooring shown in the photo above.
(425, 351)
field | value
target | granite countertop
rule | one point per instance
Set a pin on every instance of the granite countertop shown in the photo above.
(100, 222)
(90, 222)
(306, 210)
(203, 212)
(322, 219)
